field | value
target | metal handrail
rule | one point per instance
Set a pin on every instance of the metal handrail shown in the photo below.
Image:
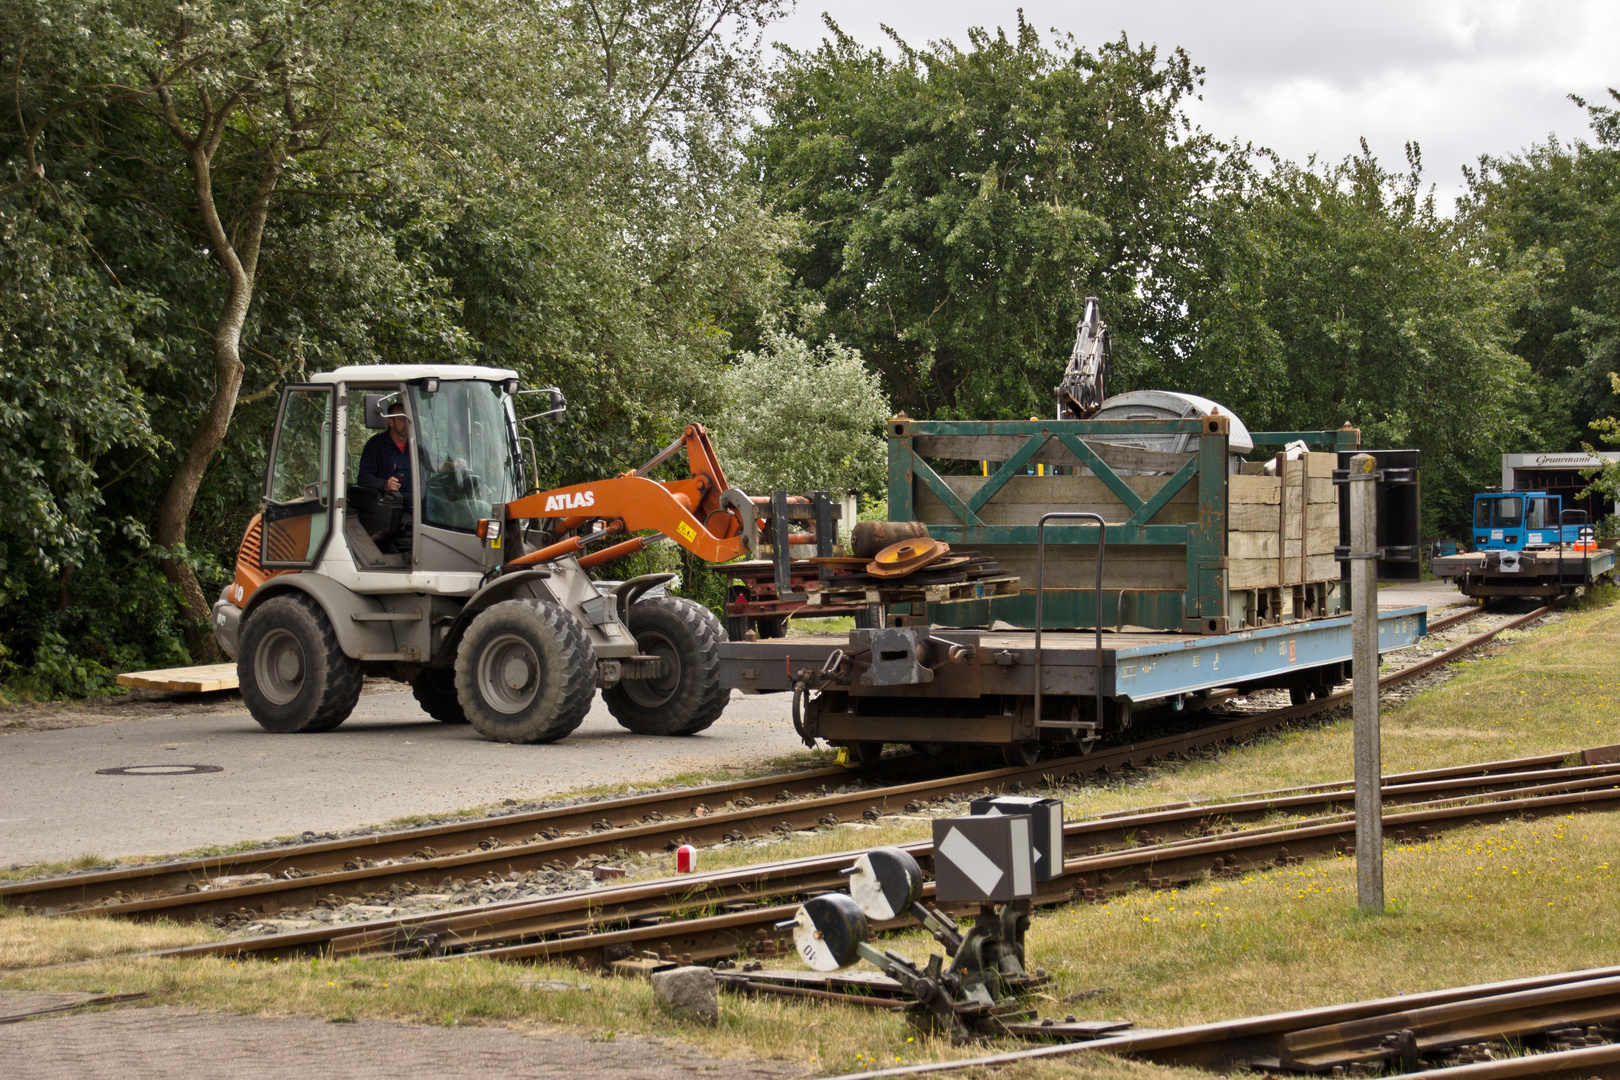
(1040, 593)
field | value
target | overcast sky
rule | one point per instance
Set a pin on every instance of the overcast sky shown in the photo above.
(1460, 78)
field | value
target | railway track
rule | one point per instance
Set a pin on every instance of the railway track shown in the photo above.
(373, 864)
(721, 913)
(1473, 1033)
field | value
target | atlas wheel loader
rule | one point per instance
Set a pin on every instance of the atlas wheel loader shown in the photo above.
(456, 581)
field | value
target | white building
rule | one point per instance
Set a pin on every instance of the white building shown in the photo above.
(1558, 474)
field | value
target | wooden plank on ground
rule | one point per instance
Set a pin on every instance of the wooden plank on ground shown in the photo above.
(194, 680)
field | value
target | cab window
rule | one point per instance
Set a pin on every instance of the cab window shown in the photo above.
(466, 448)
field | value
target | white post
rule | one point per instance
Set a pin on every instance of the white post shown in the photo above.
(1364, 694)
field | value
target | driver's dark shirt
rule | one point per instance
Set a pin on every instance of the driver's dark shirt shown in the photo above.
(381, 459)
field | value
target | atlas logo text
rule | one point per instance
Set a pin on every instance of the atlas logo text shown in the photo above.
(575, 501)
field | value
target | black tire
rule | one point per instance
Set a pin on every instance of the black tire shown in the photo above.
(771, 626)
(435, 691)
(525, 672)
(870, 617)
(689, 697)
(736, 625)
(293, 674)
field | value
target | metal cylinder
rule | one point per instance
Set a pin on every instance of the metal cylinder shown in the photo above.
(871, 537)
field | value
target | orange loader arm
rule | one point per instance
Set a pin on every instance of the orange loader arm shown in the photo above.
(691, 512)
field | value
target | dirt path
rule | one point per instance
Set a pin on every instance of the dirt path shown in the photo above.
(183, 1044)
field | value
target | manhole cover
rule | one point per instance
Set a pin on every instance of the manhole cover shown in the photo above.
(159, 770)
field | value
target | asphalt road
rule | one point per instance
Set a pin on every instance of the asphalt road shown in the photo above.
(388, 760)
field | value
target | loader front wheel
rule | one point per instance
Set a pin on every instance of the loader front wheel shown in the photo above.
(293, 674)
(687, 697)
(525, 672)
(435, 691)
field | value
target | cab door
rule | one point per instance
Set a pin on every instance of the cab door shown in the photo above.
(297, 516)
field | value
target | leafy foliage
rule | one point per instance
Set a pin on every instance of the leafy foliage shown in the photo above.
(549, 186)
(1605, 480)
(961, 204)
(802, 418)
(1554, 212)
(1347, 298)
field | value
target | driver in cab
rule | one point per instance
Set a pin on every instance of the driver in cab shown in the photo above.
(385, 466)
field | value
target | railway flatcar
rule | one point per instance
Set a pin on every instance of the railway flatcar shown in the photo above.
(1155, 563)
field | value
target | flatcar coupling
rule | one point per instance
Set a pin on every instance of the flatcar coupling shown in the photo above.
(836, 668)
(800, 689)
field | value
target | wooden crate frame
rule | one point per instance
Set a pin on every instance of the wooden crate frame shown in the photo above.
(1202, 607)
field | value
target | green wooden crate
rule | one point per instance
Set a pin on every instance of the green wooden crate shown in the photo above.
(1163, 600)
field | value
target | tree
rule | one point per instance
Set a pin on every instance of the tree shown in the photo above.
(1605, 479)
(802, 418)
(552, 186)
(1344, 296)
(224, 109)
(1554, 212)
(961, 204)
(616, 260)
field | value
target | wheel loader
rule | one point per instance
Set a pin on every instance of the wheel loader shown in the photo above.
(450, 578)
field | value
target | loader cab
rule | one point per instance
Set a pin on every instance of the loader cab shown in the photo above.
(462, 462)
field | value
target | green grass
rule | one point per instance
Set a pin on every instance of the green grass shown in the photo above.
(841, 624)
(43, 869)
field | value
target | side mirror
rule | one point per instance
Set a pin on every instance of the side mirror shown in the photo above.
(554, 397)
(375, 420)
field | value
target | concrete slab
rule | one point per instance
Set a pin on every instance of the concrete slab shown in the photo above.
(1435, 595)
(172, 1043)
(387, 761)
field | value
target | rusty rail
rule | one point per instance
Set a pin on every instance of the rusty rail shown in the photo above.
(654, 910)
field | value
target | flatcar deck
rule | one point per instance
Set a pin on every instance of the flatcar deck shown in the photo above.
(1138, 666)
(937, 684)
(1547, 572)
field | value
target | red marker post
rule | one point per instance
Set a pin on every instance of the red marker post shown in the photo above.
(685, 859)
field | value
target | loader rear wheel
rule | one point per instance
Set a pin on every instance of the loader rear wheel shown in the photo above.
(294, 675)
(435, 691)
(525, 672)
(688, 696)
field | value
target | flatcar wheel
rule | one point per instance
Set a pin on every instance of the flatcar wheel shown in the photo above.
(1021, 753)
(867, 753)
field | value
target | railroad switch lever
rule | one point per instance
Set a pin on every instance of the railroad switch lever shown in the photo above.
(969, 991)
(939, 924)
